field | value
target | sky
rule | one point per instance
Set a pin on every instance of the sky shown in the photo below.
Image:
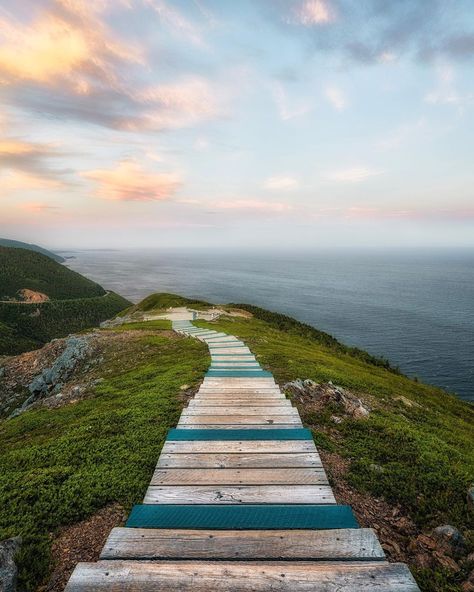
(232, 123)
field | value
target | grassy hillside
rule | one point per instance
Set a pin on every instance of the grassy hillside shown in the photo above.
(6, 242)
(413, 455)
(162, 301)
(75, 303)
(59, 466)
(27, 326)
(20, 269)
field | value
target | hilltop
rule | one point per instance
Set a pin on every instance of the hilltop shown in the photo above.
(6, 242)
(41, 299)
(83, 452)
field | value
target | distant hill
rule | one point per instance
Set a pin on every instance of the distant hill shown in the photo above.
(6, 242)
(22, 269)
(41, 299)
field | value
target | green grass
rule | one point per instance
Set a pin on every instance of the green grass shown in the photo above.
(22, 268)
(426, 450)
(60, 466)
(163, 300)
(33, 325)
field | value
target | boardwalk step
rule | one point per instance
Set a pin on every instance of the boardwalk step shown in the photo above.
(224, 576)
(217, 420)
(238, 446)
(148, 543)
(245, 494)
(257, 476)
(236, 460)
(238, 517)
(240, 434)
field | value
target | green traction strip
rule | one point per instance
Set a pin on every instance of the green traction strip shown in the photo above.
(242, 434)
(235, 517)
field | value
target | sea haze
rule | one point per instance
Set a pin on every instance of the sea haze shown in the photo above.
(416, 309)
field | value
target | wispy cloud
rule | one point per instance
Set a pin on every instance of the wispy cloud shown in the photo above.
(281, 183)
(27, 165)
(183, 26)
(355, 174)
(39, 208)
(69, 63)
(313, 12)
(129, 181)
(290, 108)
(336, 97)
(252, 205)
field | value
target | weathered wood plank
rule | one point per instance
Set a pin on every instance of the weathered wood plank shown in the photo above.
(150, 543)
(236, 460)
(238, 446)
(251, 494)
(213, 409)
(225, 576)
(219, 477)
(267, 418)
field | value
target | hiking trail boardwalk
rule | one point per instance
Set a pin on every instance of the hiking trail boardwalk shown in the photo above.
(240, 501)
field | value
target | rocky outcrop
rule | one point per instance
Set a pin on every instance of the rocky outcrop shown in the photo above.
(8, 569)
(450, 540)
(326, 393)
(51, 380)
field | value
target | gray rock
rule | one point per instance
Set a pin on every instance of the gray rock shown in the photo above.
(376, 468)
(51, 380)
(8, 569)
(470, 496)
(450, 539)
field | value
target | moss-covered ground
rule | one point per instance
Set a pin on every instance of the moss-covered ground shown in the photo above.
(60, 466)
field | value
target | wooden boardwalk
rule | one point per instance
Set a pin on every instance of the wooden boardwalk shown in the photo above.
(239, 501)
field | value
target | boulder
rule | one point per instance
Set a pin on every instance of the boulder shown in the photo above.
(450, 540)
(8, 569)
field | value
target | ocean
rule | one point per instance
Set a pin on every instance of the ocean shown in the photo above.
(414, 308)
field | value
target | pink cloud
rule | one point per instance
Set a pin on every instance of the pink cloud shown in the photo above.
(311, 13)
(128, 181)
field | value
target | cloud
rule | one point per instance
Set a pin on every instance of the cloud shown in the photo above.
(313, 12)
(253, 205)
(38, 208)
(68, 63)
(177, 22)
(281, 182)
(460, 213)
(336, 97)
(27, 165)
(287, 108)
(372, 32)
(15, 181)
(128, 181)
(355, 174)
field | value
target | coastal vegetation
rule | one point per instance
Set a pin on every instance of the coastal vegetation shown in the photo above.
(7, 242)
(406, 467)
(62, 301)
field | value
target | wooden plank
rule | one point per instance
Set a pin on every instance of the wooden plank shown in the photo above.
(151, 543)
(237, 576)
(203, 402)
(201, 409)
(267, 418)
(238, 446)
(251, 494)
(236, 460)
(219, 477)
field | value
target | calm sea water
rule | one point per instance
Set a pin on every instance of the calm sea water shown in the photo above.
(416, 309)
